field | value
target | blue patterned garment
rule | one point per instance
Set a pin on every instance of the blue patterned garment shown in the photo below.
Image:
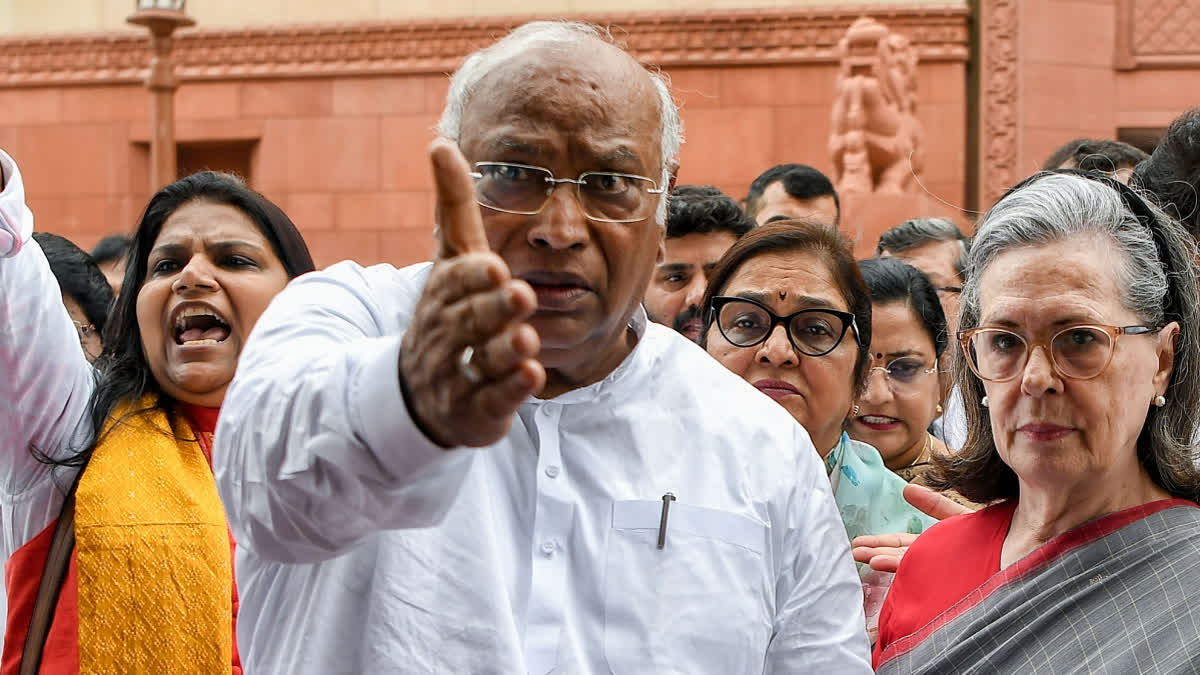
(870, 496)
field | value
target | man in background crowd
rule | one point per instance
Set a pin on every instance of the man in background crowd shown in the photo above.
(793, 191)
(702, 224)
(1095, 154)
(109, 254)
(936, 247)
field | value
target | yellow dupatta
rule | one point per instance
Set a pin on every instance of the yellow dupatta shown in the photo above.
(152, 552)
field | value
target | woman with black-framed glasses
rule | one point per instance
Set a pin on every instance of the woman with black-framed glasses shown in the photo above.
(1080, 335)
(787, 310)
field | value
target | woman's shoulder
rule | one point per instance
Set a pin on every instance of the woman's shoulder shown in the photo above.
(979, 533)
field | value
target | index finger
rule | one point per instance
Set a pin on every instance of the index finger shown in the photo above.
(894, 540)
(931, 503)
(460, 225)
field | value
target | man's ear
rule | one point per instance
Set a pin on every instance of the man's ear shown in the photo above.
(673, 167)
(662, 251)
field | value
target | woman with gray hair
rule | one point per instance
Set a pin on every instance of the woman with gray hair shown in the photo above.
(1079, 339)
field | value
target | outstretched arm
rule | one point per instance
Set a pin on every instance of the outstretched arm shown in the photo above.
(349, 394)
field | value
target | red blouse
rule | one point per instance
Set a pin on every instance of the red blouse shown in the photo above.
(960, 553)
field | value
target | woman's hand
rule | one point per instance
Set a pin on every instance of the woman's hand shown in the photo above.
(884, 551)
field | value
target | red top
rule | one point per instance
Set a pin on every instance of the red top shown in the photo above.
(23, 573)
(960, 553)
(955, 565)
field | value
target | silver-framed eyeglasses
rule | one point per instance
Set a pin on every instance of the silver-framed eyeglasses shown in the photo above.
(603, 195)
(813, 332)
(1076, 352)
(904, 373)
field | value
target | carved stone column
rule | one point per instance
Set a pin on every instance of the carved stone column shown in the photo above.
(999, 99)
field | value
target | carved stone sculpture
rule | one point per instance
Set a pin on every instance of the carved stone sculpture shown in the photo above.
(876, 137)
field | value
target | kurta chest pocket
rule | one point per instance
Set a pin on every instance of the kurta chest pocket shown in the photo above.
(701, 604)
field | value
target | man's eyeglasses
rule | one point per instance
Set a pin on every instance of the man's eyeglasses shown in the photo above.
(1077, 352)
(949, 289)
(813, 332)
(605, 196)
(904, 373)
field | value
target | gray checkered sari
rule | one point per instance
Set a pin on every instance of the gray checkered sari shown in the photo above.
(1125, 600)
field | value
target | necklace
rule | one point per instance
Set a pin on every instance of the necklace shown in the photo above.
(914, 470)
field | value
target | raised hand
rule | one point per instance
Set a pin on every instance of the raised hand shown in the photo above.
(884, 551)
(467, 360)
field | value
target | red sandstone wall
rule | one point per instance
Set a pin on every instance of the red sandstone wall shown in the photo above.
(336, 118)
(345, 157)
(1070, 83)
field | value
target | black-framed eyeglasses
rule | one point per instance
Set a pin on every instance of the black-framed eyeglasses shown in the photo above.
(813, 332)
(604, 195)
(1076, 352)
(948, 289)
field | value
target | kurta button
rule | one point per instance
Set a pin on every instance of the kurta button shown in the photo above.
(548, 549)
(552, 471)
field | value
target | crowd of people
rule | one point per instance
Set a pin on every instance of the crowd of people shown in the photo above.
(617, 424)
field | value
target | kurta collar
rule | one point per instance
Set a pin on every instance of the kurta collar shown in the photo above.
(627, 369)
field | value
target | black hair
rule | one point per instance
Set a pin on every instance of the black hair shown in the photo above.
(122, 373)
(800, 181)
(1172, 173)
(1095, 154)
(111, 248)
(920, 231)
(891, 280)
(78, 276)
(703, 209)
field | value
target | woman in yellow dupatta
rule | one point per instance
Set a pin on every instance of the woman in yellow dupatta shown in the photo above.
(149, 586)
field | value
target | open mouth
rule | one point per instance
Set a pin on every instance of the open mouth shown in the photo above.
(196, 326)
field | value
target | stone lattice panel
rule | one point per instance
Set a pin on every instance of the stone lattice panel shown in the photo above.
(1165, 28)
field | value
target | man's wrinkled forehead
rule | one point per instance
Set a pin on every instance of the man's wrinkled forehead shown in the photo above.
(596, 87)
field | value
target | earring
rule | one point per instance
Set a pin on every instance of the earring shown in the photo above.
(1160, 400)
(938, 409)
(854, 413)
(983, 402)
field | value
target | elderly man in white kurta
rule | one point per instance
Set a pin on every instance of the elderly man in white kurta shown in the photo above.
(493, 463)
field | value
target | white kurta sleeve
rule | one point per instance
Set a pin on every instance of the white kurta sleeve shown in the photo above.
(315, 449)
(45, 378)
(819, 623)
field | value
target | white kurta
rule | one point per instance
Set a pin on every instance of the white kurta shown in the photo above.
(363, 548)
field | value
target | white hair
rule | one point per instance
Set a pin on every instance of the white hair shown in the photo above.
(560, 34)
